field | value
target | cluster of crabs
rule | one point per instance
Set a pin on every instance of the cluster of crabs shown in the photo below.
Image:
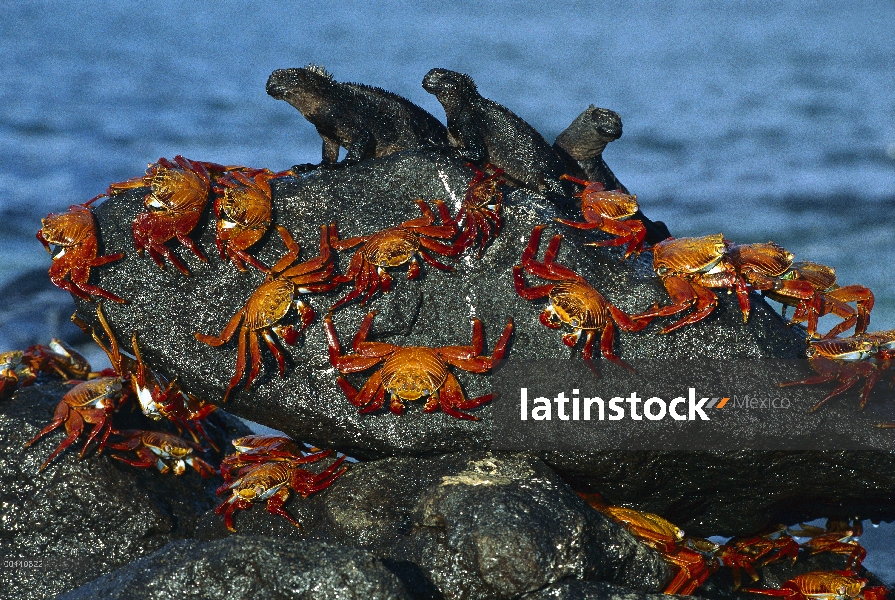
(267, 468)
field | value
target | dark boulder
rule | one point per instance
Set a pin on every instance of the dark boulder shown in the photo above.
(79, 519)
(729, 493)
(249, 567)
(464, 526)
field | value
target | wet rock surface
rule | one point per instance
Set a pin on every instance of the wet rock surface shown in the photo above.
(461, 526)
(79, 518)
(706, 494)
(589, 590)
(249, 567)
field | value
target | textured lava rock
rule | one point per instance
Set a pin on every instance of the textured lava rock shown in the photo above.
(589, 590)
(79, 518)
(461, 526)
(249, 567)
(166, 308)
(706, 494)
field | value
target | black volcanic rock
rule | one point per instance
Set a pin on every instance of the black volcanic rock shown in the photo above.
(79, 518)
(249, 567)
(464, 526)
(590, 590)
(729, 493)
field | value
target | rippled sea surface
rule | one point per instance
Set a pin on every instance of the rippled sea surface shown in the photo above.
(760, 120)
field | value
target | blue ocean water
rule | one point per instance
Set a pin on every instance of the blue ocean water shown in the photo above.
(760, 120)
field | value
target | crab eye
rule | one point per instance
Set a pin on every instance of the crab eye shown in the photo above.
(661, 270)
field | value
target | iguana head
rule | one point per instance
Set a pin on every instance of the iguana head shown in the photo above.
(449, 86)
(284, 84)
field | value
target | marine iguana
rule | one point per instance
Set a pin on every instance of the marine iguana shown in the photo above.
(582, 145)
(367, 121)
(485, 131)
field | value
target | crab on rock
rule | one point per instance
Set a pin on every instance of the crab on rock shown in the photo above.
(412, 372)
(177, 198)
(848, 360)
(573, 301)
(75, 232)
(691, 267)
(20, 369)
(610, 212)
(243, 207)
(161, 450)
(393, 247)
(833, 299)
(664, 537)
(271, 302)
(825, 585)
(480, 211)
(271, 481)
(157, 397)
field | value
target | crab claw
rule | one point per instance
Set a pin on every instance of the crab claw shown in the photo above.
(288, 334)
(570, 339)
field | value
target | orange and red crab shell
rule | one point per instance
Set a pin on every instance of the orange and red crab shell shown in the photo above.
(271, 482)
(75, 232)
(393, 247)
(412, 372)
(573, 301)
(270, 303)
(610, 212)
(244, 212)
(480, 211)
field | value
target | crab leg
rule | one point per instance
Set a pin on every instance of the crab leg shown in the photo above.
(275, 350)
(429, 259)
(529, 293)
(275, 505)
(451, 398)
(607, 340)
(255, 352)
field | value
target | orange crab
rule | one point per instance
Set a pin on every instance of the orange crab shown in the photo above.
(833, 299)
(756, 551)
(480, 212)
(848, 360)
(253, 449)
(158, 398)
(20, 369)
(161, 450)
(75, 232)
(610, 211)
(271, 481)
(177, 198)
(665, 538)
(393, 247)
(91, 402)
(691, 267)
(825, 585)
(838, 537)
(573, 301)
(271, 302)
(411, 372)
(243, 207)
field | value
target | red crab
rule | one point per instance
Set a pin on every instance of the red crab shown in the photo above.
(271, 481)
(393, 247)
(163, 451)
(480, 211)
(833, 299)
(158, 398)
(573, 301)
(20, 369)
(691, 267)
(838, 538)
(411, 372)
(91, 402)
(610, 212)
(757, 551)
(664, 537)
(177, 198)
(271, 302)
(252, 449)
(848, 360)
(75, 232)
(243, 207)
(825, 585)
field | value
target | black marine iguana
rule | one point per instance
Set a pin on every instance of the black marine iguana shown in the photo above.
(367, 121)
(582, 145)
(485, 131)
